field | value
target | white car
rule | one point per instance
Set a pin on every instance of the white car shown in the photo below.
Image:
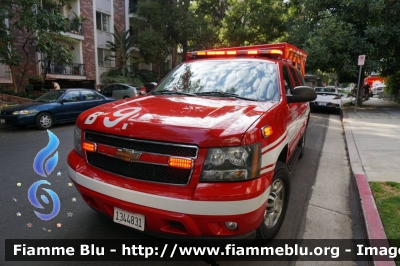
(328, 98)
(120, 91)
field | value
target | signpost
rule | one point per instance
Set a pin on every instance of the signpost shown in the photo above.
(361, 61)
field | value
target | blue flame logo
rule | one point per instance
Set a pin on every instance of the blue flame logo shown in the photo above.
(44, 168)
(44, 153)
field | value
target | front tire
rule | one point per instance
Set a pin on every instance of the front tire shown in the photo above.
(44, 121)
(277, 204)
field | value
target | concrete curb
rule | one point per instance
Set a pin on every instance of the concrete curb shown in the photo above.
(373, 226)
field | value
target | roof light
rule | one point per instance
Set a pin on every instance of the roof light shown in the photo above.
(89, 146)
(201, 53)
(180, 162)
(252, 52)
(275, 51)
(231, 52)
(211, 53)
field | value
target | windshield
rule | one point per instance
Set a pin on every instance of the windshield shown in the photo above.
(248, 79)
(50, 97)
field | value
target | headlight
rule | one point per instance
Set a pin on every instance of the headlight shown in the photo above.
(24, 112)
(232, 164)
(78, 140)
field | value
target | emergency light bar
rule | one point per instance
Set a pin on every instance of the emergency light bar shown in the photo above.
(239, 52)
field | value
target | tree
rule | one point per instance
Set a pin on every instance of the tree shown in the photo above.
(34, 27)
(251, 22)
(122, 46)
(335, 33)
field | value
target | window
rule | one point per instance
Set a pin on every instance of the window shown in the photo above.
(89, 96)
(296, 80)
(72, 96)
(102, 22)
(104, 57)
(287, 81)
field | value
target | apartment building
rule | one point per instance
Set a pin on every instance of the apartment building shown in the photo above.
(91, 23)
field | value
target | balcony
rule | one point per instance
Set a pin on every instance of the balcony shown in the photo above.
(133, 7)
(75, 27)
(74, 69)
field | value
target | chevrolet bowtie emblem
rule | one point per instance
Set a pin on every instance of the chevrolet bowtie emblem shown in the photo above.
(127, 155)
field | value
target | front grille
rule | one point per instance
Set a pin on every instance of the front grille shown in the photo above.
(142, 146)
(141, 171)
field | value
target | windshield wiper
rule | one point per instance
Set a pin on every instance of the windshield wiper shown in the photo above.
(223, 94)
(174, 92)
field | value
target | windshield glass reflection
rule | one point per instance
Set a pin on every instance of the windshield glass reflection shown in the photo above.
(50, 97)
(251, 79)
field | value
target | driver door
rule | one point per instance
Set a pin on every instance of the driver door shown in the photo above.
(70, 106)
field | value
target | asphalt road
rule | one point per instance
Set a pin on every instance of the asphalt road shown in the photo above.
(18, 148)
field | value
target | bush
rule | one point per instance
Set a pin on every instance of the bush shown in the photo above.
(146, 76)
(393, 83)
(115, 76)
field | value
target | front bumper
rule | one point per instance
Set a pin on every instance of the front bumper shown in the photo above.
(171, 216)
(324, 106)
(19, 120)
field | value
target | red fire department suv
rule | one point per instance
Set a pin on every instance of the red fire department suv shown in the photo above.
(207, 153)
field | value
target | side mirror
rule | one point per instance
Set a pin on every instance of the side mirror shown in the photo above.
(302, 94)
(150, 86)
(63, 100)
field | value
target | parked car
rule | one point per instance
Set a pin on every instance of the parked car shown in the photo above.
(147, 88)
(120, 91)
(328, 98)
(53, 107)
(375, 89)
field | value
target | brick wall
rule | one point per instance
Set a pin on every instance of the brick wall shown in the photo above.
(88, 48)
(14, 99)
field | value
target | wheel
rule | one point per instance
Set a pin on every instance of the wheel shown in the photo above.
(44, 121)
(301, 144)
(126, 97)
(277, 204)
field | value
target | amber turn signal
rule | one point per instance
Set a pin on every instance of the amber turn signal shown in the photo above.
(180, 163)
(88, 146)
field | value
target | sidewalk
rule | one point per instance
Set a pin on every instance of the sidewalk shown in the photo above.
(373, 143)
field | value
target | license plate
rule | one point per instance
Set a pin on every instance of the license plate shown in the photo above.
(322, 103)
(133, 220)
(2, 121)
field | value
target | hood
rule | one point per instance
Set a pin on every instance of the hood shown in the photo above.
(20, 107)
(204, 121)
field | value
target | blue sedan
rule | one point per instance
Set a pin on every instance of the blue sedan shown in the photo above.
(53, 107)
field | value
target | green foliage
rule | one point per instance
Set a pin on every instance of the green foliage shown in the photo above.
(393, 83)
(115, 76)
(121, 47)
(335, 33)
(38, 31)
(253, 22)
(387, 198)
(146, 76)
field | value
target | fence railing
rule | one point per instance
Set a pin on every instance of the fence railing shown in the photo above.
(391, 97)
(71, 69)
(74, 27)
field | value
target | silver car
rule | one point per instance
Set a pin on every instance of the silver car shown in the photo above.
(120, 91)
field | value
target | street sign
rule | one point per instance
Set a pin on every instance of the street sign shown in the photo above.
(361, 60)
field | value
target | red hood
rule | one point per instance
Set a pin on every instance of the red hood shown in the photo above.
(191, 120)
